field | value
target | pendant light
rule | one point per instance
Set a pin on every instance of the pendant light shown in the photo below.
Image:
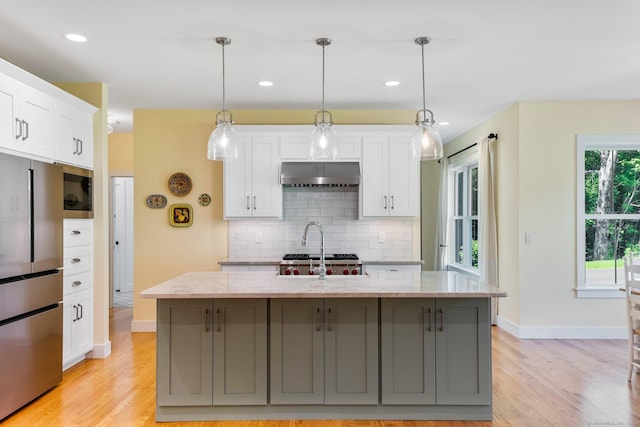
(323, 140)
(426, 143)
(223, 142)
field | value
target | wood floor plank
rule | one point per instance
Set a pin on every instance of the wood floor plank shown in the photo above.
(535, 383)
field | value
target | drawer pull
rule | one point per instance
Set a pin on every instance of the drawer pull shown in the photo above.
(75, 260)
(75, 232)
(76, 283)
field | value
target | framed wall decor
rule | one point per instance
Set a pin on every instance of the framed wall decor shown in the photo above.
(180, 215)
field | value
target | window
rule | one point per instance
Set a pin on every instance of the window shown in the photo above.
(463, 208)
(608, 211)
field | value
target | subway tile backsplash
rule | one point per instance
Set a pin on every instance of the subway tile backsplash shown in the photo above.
(337, 211)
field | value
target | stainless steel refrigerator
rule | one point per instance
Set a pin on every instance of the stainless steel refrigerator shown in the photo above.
(31, 207)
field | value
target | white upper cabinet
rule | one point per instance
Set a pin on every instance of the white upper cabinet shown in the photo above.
(295, 145)
(252, 181)
(26, 119)
(390, 177)
(74, 136)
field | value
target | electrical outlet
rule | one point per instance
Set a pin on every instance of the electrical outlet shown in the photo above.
(258, 236)
(381, 237)
(528, 238)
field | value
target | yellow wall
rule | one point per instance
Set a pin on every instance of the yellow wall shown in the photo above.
(121, 154)
(169, 141)
(96, 94)
(536, 193)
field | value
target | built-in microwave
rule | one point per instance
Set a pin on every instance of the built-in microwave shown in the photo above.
(78, 192)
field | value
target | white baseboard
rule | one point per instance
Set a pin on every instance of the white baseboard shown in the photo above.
(100, 351)
(143, 326)
(562, 332)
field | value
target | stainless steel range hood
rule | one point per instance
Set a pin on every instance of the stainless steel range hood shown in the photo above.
(320, 174)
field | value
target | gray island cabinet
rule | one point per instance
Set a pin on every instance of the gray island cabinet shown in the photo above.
(392, 345)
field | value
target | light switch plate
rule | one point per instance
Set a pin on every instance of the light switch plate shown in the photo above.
(381, 237)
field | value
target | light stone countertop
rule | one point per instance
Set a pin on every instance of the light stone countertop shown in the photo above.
(384, 284)
(277, 262)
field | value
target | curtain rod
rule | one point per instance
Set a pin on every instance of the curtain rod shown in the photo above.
(490, 136)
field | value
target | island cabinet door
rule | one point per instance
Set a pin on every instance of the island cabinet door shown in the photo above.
(297, 359)
(408, 351)
(240, 352)
(185, 352)
(351, 351)
(463, 351)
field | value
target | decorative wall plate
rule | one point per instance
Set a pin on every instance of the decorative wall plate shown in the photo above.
(156, 201)
(180, 215)
(204, 199)
(180, 184)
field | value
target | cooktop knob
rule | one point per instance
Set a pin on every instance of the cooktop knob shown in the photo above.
(329, 271)
(345, 271)
(287, 272)
(311, 273)
(354, 271)
(296, 271)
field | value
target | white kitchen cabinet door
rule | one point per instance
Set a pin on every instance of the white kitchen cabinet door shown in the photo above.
(77, 327)
(8, 107)
(390, 177)
(74, 136)
(404, 178)
(252, 182)
(26, 119)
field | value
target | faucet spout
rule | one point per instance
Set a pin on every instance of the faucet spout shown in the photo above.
(322, 269)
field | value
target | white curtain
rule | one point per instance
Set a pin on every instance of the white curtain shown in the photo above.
(440, 262)
(488, 231)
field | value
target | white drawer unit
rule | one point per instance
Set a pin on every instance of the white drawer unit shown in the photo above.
(78, 232)
(78, 290)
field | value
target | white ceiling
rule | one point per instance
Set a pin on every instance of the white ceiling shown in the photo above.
(484, 55)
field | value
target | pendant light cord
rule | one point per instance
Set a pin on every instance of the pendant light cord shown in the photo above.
(424, 90)
(223, 81)
(323, 83)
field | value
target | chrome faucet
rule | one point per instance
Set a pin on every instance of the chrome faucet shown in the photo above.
(322, 268)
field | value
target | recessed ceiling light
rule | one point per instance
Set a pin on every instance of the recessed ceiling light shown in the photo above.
(392, 83)
(79, 38)
(265, 83)
(443, 123)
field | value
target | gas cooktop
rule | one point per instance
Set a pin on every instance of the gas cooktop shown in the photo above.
(327, 257)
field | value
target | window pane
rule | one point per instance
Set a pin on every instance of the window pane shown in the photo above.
(474, 191)
(474, 243)
(606, 242)
(459, 208)
(459, 239)
(612, 181)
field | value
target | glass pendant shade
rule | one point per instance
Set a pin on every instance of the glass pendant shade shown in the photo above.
(223, 142)
(324, 144)
(426, 143)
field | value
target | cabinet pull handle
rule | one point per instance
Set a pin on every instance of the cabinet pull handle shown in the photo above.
(75, 232)
(18, 128)
(75, 311)
(75, 145)
(254, 203)
(75, 260)
(81, 311)
(392, 202)
(441, 312)
(219, 325)
(80, 144)
(318, 320)
(248, 207)
(385, 202)
(206, 320)
(427, 314)
(76, 283)
(26, 133)
(329, 314)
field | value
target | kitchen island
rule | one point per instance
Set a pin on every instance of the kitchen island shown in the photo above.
(390, 345)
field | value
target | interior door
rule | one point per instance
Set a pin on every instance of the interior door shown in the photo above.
(122, 234)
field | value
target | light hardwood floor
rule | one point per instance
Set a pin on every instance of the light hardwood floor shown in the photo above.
(535, 383)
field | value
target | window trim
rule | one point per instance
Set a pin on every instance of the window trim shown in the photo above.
(583, 143)
(465, 162)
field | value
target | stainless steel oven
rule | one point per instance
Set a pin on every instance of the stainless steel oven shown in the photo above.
(78, 192)
(336, 264)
